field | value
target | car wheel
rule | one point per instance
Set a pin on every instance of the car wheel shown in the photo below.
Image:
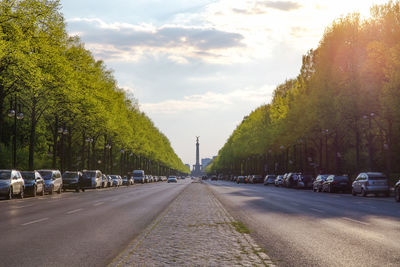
(397, 194)
(353, 192)
(21, 194)
(83, 189)
(59, 190)
(51, 191)
(34, 191)
(10, 193)
(64, 189)
(363, 193)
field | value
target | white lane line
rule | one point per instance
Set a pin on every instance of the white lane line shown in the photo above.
(317, 210)
(20, 207)
(73, 211)
(98, 203)
(357, 221)
(35, 221)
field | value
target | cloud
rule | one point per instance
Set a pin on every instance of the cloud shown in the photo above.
(210, 101)
(280, 5)
(128, 42)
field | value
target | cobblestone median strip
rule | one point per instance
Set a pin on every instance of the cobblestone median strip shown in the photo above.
(195, 230)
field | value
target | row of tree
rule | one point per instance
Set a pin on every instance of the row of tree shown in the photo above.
(74, 114)
(340, 115)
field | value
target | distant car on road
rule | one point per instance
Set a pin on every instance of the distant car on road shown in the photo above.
(305, 181)
(336, 183)
(269, 179)
(256, 179)
(117, 180)
(397, 191)
(127, 180)
(371, 182)
(72, 180)
(172, 179)
(92, 179)
(34, 183)
(138, 176)
(317, 184)
(279, 180)
(241, 179)
(52, 180)
(11, 183)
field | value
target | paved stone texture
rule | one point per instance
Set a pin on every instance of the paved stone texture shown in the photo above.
(195, 230)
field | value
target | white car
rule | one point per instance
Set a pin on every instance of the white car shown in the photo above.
(172, 179)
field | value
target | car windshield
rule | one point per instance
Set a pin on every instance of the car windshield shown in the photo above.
(89, 174)
(46, 174)
(137, 174)
(28, 175)
(5, 175)
(70, 175)
(341, 178)
(114, 177)
(377, 178)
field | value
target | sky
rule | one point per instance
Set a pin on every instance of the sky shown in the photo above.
(198, 67)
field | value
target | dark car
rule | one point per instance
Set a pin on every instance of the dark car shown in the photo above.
(34, 183)
(241, 179)
(305, 181)
(11, 183)
(269, 179)
(336, 183)
(92, 179)
(256, 179)
(52, 180)
(73, 180)
(214, 178)
(397, 191)
(317, 184)
(291, 180)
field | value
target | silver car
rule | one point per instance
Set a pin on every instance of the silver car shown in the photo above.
(52, 180)
(370, 182)
(11, 183)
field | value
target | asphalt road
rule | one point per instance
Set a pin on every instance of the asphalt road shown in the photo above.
(79, 229)
(303, 228)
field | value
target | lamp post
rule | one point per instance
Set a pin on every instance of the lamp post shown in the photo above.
(62, 131)
(120, 159)
(326, 131)
(369, 137)
(17, 115)
(108, 159)
(89, 140)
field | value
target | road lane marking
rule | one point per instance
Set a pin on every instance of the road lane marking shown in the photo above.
(20, 207)
(35, 221)
(317, 210)
(73, 211)
(357, 221)
(98, 203)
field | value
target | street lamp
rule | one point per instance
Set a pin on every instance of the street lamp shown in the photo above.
(89, 140)
(12, 113)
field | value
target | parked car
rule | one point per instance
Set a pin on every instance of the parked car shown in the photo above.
(127, 180)
(397, 191)
(52, 180)
(317, 184)
(110, 181)
(104, 181)
(214, 178)
(370, 182)
(284, 178)
(92, 179)
(279, 180)
(72, 180)
(269, 179)
(305, 181)
(117, 180)
(241, 179)
(256, 179)
(172, 179)
(34, 183)
(11, 183)
(138, 176)
(335, 183)
(291, 179)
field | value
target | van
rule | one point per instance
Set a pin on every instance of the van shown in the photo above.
(138, 176)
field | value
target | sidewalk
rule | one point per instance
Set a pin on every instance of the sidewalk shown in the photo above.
(195, 230)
